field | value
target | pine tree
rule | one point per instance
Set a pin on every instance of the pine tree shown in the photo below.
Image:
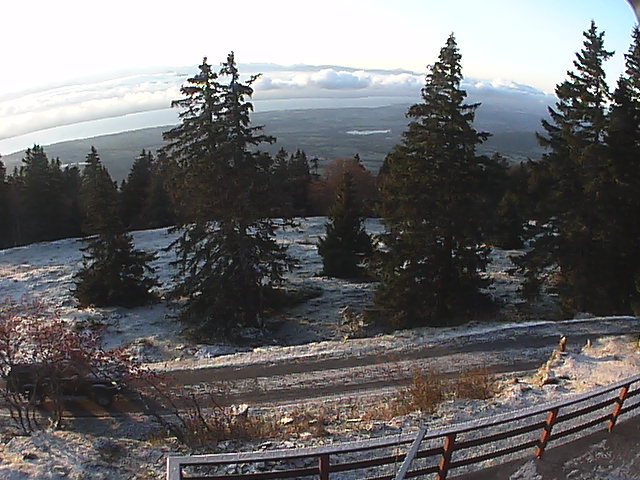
(346, 243)
(511, 208)
(5, 215)
(14, 192)
(41, 197)
(291, 177)
(623, 142)
(135, 191)
(71, 182)
(431, 205)
(574, 216)
(159, 210)
(299, 180)
(227, 256)
(113, 272)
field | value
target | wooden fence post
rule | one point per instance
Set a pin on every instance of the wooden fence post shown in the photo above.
(618, 407)
(546, 432)
(445, 461)
(324, 466)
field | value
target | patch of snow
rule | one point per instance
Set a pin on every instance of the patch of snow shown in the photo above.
(528, 471)
(368, 132)
(67, 455)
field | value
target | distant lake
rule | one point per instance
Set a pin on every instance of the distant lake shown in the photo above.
(168, 116)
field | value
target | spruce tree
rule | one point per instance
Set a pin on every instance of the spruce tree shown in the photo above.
(41, 197)
(113, 272)
(346, 243)
(227, 256)
(623, 141)
(290, 178)
(135, 192)
(5, 216)
(432, 200)
(14, 192)
(299, 180)
(71, 182)
(574, 216)
(159, 210)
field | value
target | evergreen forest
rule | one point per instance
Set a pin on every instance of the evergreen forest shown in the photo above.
(572, 213)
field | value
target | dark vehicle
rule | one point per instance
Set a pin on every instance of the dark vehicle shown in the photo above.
(39, 381)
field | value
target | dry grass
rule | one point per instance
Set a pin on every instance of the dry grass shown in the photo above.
(427, 389)
(477, 383)
(425, 392)
(205, 422)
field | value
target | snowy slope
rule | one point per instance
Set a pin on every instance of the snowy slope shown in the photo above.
(46, 271)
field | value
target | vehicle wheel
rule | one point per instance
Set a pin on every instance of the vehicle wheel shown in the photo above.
(102, 397)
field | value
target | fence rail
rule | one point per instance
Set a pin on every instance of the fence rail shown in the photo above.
(434, 452)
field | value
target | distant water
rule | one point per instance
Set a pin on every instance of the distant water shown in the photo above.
(168, 116)
(346, 102)
(94, 128)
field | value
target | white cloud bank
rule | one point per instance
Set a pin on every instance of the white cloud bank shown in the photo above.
(138, 92)
(71, 104)
(333, 78)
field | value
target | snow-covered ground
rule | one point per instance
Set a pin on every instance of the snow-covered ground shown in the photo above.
(311, 330)
(45, 271)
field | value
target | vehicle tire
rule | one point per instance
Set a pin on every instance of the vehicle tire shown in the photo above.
(102, 397)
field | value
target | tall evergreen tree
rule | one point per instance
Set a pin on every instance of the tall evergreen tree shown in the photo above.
(15, 193)
(71, 182)
(136, 190)
(41, 200)
(5, 216)
(632, 63)
(623, 183)
(299, 180)
(159, 210)
(575, 216)
(291, 176)
(113, 272)
(227, 256)
(431, 206)
(346, 243)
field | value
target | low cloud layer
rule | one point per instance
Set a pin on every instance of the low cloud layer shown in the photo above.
(338, 79)
(76, 103)
(148, 91)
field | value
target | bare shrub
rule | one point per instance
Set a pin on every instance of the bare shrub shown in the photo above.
(322, 191)
(424, 392)
(476, 383)
(427, 389)
(35, 339)
(201, 421)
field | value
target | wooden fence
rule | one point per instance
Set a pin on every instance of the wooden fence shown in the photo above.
(463, 447)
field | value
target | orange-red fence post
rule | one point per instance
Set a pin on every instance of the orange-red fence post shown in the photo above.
(445, 461)
(546, 432)
(618, 407)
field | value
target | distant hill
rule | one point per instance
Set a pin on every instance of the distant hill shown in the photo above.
(328, 133)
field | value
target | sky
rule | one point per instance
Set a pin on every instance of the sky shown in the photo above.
(67, 64)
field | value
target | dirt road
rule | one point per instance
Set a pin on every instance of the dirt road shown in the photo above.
(306, 378)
